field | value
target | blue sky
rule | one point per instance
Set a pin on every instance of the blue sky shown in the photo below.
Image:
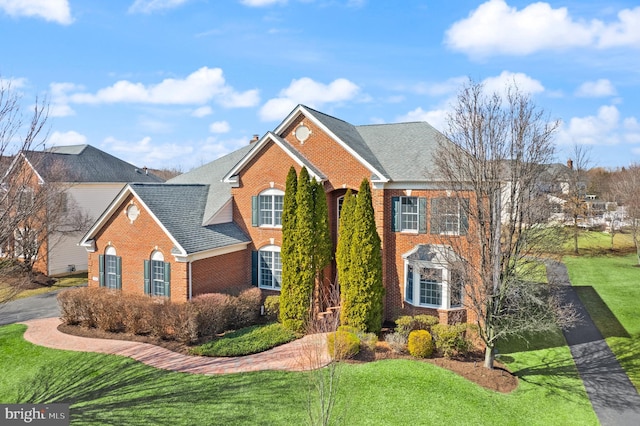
(177, 83)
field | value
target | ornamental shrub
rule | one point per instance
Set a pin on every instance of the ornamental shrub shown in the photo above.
(407, 323)
(272, 307)
(451, 339)
(420, 344)
(247, 307)
(397, 342)
(343, 344)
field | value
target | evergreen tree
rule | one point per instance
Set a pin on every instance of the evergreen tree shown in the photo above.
(323, 246)
(343, 250)
(364, 294)
(290, 269)
(300, 291)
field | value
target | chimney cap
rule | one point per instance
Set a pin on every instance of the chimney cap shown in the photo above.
(570, 163)
(255, 138)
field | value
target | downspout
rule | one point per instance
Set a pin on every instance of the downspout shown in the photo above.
(190, 283)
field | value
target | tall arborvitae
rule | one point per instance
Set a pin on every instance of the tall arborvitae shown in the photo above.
(300, 293)
(343, 250)
(365, 291)
(323, 246)
(290, 269)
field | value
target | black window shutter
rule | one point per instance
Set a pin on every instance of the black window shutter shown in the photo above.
(101, 269)
(395, 214)
(254, 268)
(147, 281)
(255, 214)
(167, 279)
(435, 225)
(119, 272)
(422, 215)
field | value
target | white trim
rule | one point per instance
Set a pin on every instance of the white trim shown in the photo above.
(223, 215)
(232, 176)
(272, 248)
(15, 160)
(193, 257)
(115, 205)
(110, 251)
(300, 109)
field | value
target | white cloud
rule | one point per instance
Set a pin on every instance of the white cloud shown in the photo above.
(524, 83)
(261, 3)
(12, 83)
(219, 127)
(150, 6)
(437, 118)
(50, 10)
(496, 28)
(600, 129)
(308, 92)
(444, 88)
(60, 110)
(59, 106)
(202, 111)
(145, 153)
(199, 87)
(596, 89)
(66, 138)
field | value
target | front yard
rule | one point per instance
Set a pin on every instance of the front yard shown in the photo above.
(106, 389)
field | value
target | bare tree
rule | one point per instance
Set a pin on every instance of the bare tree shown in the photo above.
(489, 162)
(626, 187)
(18, 133)
(574, 192)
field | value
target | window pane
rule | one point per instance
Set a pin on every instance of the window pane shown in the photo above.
(430, 286)
(278, 201)
(266, 210)
(266, 276)
(409, 213)
(157, 274)
(277, 269)
(409, 288)
(110, 263)
(455, 286)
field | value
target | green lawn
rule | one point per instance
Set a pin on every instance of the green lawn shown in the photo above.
(609, 286)
(62, 282)
(246, 341)
(107, 389)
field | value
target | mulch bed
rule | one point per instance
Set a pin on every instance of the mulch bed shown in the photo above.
(498, 379)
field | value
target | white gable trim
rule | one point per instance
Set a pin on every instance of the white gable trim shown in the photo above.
(193, 257)
(300, 109)
(232, 176)
(13, 164)
(87, 240)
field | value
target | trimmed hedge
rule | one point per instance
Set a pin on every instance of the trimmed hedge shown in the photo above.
(451, 340)
(406, 324)
(109, 310)
(343, 344)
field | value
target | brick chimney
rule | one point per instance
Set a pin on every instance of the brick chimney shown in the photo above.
(254, 139)
(570, 164)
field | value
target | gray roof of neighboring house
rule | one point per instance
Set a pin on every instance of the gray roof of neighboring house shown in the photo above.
(212, 174)
(180, 209)
(84, 163)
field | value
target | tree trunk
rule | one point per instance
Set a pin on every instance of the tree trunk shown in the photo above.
(575, 235)
(489, 356)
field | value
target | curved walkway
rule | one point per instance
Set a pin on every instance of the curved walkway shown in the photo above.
(613, 397)
(300, 355)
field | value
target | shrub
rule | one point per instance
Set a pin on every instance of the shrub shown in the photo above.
(451, 339)
(137, 314)
(247, 308)
(370, 340)
(69, 302)
(214, 311)
(407, 323)
(397, 342)
(107, 310)
(349, 329)
(272, 307)
(420, 344)
(343, 344)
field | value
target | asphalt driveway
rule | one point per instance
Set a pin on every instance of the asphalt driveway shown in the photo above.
(40, 306)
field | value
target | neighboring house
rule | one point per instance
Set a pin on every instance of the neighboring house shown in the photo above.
(218, 227)
(86, 180)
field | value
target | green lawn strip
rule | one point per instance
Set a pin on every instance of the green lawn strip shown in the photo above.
(608, 286)
(597, 243)
(63, 282)
(108, 389)
(246, 341)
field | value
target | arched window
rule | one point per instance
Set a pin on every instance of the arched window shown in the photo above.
(110, 269)
(267, 208)
(157, 275)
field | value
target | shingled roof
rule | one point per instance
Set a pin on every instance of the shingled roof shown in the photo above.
(84, 163)
(180, 209)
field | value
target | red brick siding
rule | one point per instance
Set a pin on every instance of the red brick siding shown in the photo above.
(135, 242)
(221, 274)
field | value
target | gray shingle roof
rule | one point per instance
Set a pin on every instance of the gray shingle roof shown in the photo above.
(85, 163)
(180, 209)
(212, 174)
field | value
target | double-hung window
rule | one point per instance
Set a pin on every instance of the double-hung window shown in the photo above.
(449, 216)
(267, 208)
(431, 287)
(268, 268)
(157, 275)
(409, 214)
(110, 269)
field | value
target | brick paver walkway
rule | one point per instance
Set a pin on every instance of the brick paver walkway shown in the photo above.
(303, 354)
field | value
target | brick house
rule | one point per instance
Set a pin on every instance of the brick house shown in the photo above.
(217, 227)
(81, 177)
